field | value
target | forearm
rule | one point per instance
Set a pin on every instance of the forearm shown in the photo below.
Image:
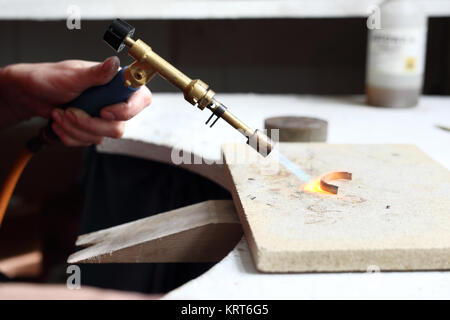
(13, 108)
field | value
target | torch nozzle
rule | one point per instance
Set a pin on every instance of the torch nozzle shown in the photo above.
(258, 140)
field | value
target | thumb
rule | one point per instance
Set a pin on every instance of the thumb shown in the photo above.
(98, 74)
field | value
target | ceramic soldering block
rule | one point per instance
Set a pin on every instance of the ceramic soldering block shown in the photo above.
(393, 215)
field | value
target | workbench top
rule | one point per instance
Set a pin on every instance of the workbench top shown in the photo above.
(171, 122)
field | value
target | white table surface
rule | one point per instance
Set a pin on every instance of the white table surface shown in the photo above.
(171, 121)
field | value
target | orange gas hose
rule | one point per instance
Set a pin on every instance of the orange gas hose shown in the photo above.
(11, 180)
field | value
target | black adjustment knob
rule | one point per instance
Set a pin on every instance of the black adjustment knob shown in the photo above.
(116, 34)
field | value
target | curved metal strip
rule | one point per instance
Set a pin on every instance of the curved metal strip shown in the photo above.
(335, 175)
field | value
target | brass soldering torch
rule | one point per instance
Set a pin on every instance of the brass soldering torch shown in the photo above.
(196, 92)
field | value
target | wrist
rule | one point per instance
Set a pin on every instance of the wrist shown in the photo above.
(11, 95)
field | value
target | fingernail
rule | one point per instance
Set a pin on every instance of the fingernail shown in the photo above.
(110, 64)
(108, 115)
(71, 115)
(57, 116)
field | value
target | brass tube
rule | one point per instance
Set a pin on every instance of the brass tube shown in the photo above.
(237, 124)
(167, 71)
(195, 92)
(129, 42)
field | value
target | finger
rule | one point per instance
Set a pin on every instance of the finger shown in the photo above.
(65, 138)
(94, 125)
(72, 130)
(126, 110)
(76, 64)
(101, 73)
(92, 74)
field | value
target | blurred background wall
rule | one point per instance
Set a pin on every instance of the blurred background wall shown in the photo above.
(306, 56)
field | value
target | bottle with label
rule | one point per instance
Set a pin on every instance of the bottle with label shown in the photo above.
(396, 55)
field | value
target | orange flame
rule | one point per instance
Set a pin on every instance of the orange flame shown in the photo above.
(314, 187)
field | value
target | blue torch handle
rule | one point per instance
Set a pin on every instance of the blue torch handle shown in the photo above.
(95, 98)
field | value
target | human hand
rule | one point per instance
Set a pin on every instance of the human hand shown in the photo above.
(40, 89)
